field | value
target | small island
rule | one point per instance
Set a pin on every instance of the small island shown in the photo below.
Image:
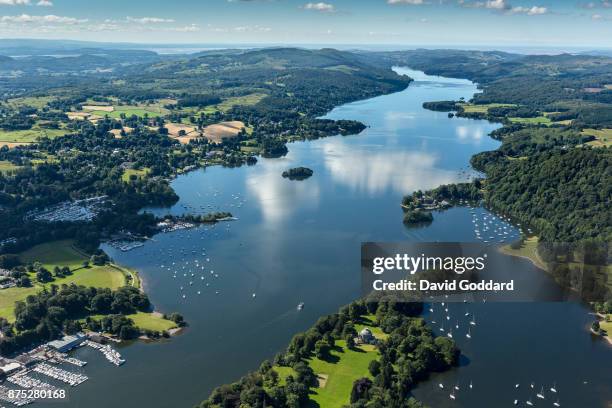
(418, 217)
(298, 173)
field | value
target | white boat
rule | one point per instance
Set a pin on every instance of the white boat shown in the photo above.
(531, 385)
(452, 396)
(540, 394)
(457, 387)
(441, 385)
(300, 306)
(554, 387)
(471, 386)
(529, 402)
(473, 321)
(450, 334)
(517, 385)
(556, 404)
(468, 334)
(515, 402)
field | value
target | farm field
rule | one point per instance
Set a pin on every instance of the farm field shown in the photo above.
(470, 108)
(116, 111)
(223, 130)
(539, 120)
(34, 101)
(603, 137)
(227, 104)
(29, 135)
(7, 166)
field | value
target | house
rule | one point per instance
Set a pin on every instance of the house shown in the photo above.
(365, 336)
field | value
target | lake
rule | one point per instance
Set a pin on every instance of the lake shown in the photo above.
(299, 241)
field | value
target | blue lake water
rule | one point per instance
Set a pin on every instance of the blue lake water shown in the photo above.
(299, 241)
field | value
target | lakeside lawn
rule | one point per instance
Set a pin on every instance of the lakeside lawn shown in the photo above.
(152, 321)
(63, 253)
(146, 321)
(528, 249)
(338, 372)
(607, 326)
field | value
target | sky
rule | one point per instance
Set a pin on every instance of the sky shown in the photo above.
(561, 23)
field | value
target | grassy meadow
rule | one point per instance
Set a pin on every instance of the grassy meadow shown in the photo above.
(63, 253)
(603, 137)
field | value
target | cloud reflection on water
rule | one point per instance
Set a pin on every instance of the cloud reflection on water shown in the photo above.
(376, 170)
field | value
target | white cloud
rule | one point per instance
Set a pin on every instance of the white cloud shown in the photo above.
(149, 20)
(321, 7)
(411, 2)
(188, 28)
(14, 2)
(48, 19)
(505, 7)
(530, 11)
(45, 3)
(497, 4)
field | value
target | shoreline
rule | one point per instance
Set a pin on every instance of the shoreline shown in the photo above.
(532, 257)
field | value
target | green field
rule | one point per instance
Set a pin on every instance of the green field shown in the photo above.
(63, 253)
(152, 321)
(337, 373)
(603, 137)
(539, 120)
(129, 110)
(30, 135)
(34, 101)
(9, 296)
(7, 166)
(227, 104)
(138, 173)
(484, 108)
(607, 326)
(342, 370)
(147, 321)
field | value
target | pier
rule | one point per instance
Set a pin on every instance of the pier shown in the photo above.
(68, 377)
(111, 354)
(24, 381)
